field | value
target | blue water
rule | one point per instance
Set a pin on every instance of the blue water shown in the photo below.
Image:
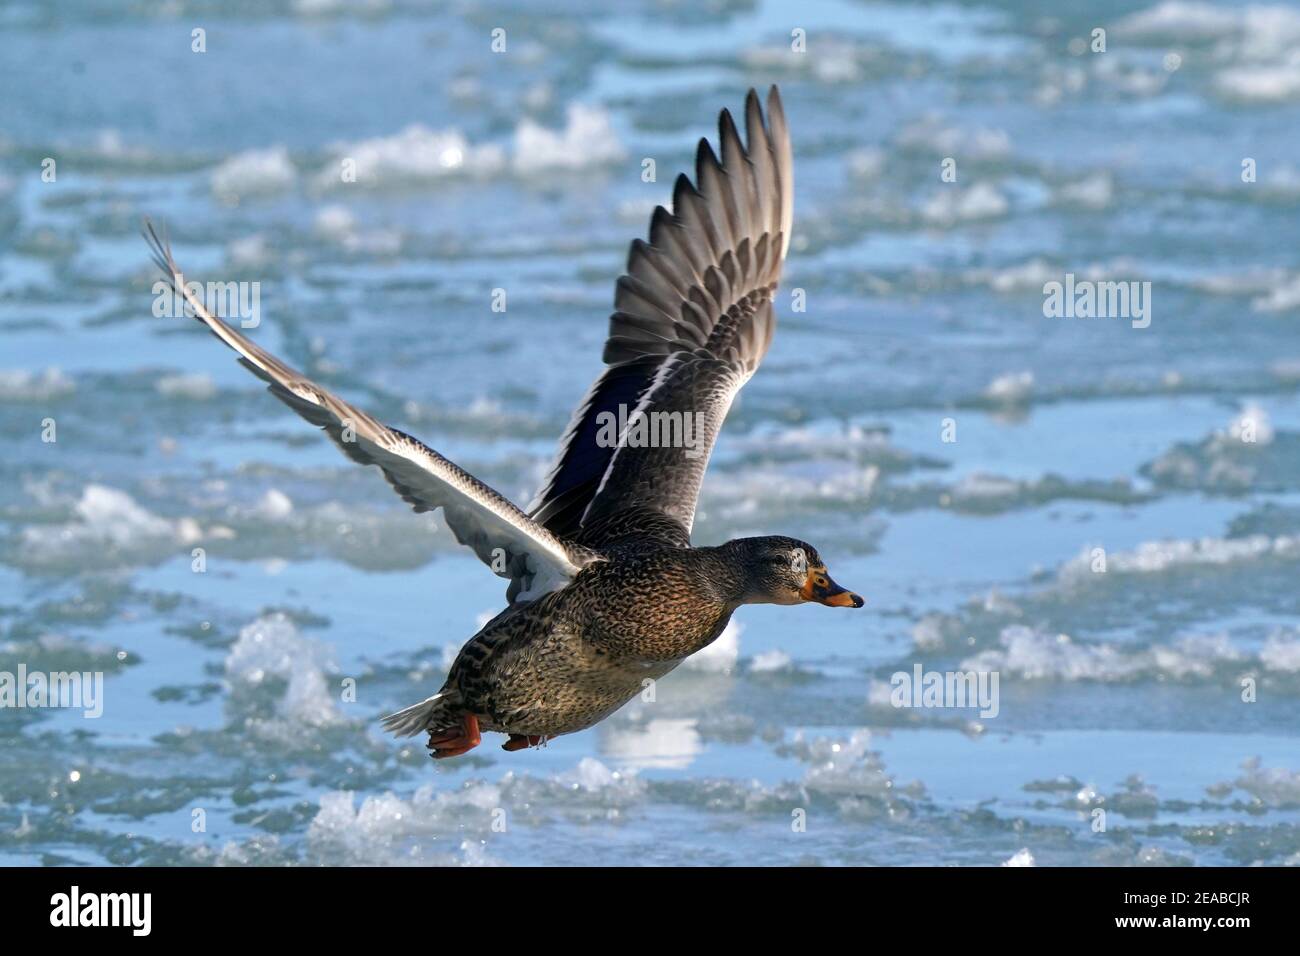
(228, 732)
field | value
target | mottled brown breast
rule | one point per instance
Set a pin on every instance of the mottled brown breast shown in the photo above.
(651, 605)
(576, 656)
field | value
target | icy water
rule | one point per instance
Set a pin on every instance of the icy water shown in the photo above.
(229, 730)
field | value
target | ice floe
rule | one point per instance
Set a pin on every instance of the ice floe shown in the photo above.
(1274, 787)
(107, 527)
(21, 385)
(256, 172)
(419, 155)
(953, 204)
(1032, 654)
(272, 647)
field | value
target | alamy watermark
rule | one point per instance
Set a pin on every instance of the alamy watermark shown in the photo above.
(75, 908)
(1087, 299)
(639, 429)
(226, 300)
(957, 689)
(83, 689)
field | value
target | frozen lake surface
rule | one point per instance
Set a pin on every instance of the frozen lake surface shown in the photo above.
(227, 735)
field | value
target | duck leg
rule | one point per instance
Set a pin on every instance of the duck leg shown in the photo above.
(456, 743)
(520, 741)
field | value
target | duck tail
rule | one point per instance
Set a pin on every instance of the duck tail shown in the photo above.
(418, 717)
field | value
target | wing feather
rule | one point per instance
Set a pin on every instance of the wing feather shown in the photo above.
(692, 320)
(512, 544)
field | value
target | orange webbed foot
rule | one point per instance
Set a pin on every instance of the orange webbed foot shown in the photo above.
(454, 744)
(520, 741)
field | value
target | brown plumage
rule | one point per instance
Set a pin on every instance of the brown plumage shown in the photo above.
(606, 592)
(573, 657)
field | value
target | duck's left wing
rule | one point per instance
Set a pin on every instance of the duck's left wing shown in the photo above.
(509, 542)
(693, 319)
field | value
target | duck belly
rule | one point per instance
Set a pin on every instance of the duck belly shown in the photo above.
(563, 697)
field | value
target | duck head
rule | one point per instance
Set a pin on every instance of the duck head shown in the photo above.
(780, 570)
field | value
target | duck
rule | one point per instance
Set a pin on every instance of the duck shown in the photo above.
(606, 594)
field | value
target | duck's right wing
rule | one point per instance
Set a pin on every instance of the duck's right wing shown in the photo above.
(693, 319)
(509, 542)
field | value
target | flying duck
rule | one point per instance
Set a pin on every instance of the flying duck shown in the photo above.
(606, 591)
